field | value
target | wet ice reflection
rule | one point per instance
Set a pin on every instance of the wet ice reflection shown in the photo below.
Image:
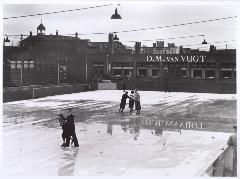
(69, 158)
(113, 143)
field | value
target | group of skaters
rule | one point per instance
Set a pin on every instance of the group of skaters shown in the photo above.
(68, 128)
(134, 99)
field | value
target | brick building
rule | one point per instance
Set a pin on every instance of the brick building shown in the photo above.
(52, 59)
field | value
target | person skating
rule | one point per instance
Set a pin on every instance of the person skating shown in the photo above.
(123, 101)
(70, 129)
(166, 82)
(137, 102)
(62, 122)
(131, 101)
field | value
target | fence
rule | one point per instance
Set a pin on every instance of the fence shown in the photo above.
(32, 92)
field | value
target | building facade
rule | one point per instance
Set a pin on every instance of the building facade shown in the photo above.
(54, 59)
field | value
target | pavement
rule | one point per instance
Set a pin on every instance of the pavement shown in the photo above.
(177, 134)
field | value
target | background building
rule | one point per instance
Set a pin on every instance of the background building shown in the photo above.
(54, 59)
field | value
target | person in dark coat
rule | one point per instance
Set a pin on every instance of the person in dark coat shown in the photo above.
(70, 129)
(123, 101)
(131, 101)
(62, 122)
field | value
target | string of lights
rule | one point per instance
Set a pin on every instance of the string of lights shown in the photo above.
(56, 12)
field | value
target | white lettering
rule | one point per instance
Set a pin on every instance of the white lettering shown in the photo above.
(195, 58)
(149, 58)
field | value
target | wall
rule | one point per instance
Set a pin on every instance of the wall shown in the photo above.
(32, 92)
(187, 85)
(222, 165)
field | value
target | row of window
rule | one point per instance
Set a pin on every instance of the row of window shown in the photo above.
(227, 71)
(21, 64)
(30, 65)
(196, 73)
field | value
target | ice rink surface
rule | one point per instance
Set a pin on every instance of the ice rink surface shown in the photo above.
(177, 134)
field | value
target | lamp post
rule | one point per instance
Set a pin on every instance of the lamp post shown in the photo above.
(58, 65)
(21, 69)
(86, 62)
(108, 66)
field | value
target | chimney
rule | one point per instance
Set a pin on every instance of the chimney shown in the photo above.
(76, 35)
(171, 44)
(160, 44)
(154, 45)
(56, 32)
(110, 37)
(181, 50)
(212, 49)
(137, 47)
(30, 34)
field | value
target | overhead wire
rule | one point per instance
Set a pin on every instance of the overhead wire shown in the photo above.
(170, 38)
(56, 12)
(211, 43)
(159, 27)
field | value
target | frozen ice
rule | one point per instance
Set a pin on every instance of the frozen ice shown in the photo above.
(112, 143)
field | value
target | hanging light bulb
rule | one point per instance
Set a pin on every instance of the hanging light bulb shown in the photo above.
(6, 40)
(116, 15)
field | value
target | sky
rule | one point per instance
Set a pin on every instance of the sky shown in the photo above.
(135, 15)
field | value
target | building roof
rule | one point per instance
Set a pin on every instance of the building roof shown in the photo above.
(41, 27)
(50, 37)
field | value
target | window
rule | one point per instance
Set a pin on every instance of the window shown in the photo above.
(98, 68)
(120, 69)
(197, 73)
(228, 71)
(31, 64)
(25, 65)
(226, 74)
(18, 64)
(155, 72)
(127, 72)
(183, 72)
(117, 72)
(210, 73)
(142, 72)
(13, 64)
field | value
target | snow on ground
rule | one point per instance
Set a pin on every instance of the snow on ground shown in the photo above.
(32, 136)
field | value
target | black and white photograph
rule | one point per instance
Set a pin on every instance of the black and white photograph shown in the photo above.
(119, 88)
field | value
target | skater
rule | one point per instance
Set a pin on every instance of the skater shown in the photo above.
(166, 87)
(123, 101)
(62, 122)
(70, 129)
(123, 85)
(232, 142)
(137, 102)
(131, 101)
